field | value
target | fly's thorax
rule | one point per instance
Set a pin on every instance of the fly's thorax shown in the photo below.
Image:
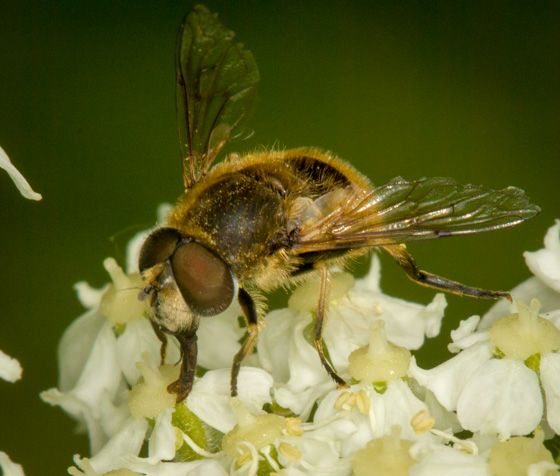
(237, 215)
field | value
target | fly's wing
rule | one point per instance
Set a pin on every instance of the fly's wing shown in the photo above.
(216, 85)
(402, 211)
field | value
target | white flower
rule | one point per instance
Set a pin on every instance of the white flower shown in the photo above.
(278, 442)
(285, 351)
(210, 397)
(500, 395)
(449, 461)
(382, 399)
(289, 418)
(18, 179)
(361, 413)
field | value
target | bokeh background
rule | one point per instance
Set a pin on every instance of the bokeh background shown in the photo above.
(462, 89)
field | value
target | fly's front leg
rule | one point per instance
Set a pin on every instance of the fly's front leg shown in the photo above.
(160, 334)
(406, 261)
(251, 318)
(318, 328)
(183, 385)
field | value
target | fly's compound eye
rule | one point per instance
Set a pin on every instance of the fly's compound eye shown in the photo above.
(204, 279)
(158, 247)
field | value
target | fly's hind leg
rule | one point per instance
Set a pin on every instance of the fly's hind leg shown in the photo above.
(318, 328)
(251, 318)
(406, 261)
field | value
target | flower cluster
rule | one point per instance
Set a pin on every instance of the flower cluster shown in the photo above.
(491, 409)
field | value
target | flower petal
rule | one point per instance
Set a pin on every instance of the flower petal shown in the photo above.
(18, 179)
(138, 342)
(128, 441)
(284, 350)
(194, 468)
(273, 339)
(549, 371)
(88, 296)
(395, 407)
(545, 263)
(161, 445)
(447, 380)
(80, 411)
(99, 379)
(447, 461)
(321, 456)
(465, 335)
(503, 396)
(218, 338)
(10, 368)
(100, 375)
(75, 347)
(406, 323)
(210, 396)
(8, 467)
(544, 468)
(301, 402)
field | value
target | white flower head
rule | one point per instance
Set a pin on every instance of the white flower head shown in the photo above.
(494, 383)
(289, 418)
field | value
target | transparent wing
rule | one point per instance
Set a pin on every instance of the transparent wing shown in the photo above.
(402, 211)
(216, 86)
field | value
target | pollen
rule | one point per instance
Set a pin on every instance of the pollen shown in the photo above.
(422, 422)
(293, 427)
(348, 400)
(244, 458)
(290, 452)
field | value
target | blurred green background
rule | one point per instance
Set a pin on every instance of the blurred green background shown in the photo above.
(462, 89)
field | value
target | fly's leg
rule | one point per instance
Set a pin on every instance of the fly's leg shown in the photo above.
(318, 328)
(160, 334)
(406, 261)
(251, 318)
(183, 385)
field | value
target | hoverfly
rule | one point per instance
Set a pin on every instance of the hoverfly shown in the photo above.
(256, 222)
